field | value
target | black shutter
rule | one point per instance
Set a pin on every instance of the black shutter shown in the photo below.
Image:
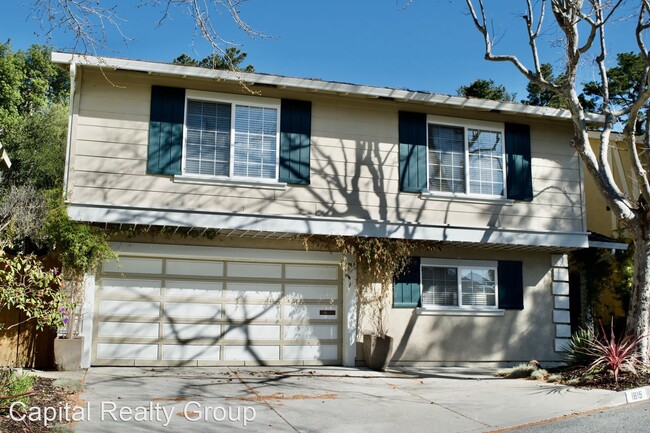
(518, 168)
(295, 140)
(406, 287)
(412, 152)
(511, 285)
(166, 130)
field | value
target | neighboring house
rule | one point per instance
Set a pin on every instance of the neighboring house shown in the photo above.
(262, 160)
(606, 232)
(600, 219)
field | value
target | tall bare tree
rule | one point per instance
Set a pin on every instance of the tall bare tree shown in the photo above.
(91, 22)
(582, 25)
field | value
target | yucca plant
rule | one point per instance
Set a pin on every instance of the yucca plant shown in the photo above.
(614, 355)
(576, 351)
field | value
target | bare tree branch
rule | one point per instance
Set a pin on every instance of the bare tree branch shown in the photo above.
(91, 21)
(481, 26)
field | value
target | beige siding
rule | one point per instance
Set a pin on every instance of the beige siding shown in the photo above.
(354, 163)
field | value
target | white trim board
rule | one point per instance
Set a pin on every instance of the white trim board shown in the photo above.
(222, 253)
(315, 225)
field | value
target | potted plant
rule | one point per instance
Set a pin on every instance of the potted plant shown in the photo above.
(376, 262)
(80, 248)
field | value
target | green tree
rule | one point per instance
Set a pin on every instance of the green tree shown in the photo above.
(29, 82)
(33, 129)
(486, 89)
(231, 59)
(624, 81)
(37, 148)
(543, 97)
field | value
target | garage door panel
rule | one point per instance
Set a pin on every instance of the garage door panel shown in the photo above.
(254, 270)
(129, 265)
(311, 312)
(128, 329)
(311, 332)
(252, 332)
(248, 353)
(178, 311)
(252, 312)
(180, 288)
(194, 268)
(192, 309)
(123, 286)
(130, 308)
(127, 351)
(312, 352)
(188, 331)
(311, 291)
(250, 291)
(312, 272)
(191, 351)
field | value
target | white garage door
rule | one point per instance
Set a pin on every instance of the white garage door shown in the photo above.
(173, 311)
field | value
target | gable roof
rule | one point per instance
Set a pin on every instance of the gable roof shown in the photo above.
(313, 85)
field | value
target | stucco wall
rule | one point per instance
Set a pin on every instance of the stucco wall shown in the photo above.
(517, 336)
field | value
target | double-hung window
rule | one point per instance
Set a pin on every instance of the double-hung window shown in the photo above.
(465, 284)
(230, 136)
(465, 158)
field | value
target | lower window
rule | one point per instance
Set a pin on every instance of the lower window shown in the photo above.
(465, 285)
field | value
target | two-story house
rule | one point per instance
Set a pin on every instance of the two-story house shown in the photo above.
(259, 161)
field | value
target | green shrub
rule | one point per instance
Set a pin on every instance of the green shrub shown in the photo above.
(521, 371)
(13, 384)
(577, 353)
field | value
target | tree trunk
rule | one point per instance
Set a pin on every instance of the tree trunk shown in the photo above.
(638, 319)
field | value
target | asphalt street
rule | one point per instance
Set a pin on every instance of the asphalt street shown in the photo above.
(630, 418)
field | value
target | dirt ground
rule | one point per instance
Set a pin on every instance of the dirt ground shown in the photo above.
(43, 394)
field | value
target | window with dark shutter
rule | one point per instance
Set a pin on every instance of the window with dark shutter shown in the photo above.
(412, 152)
(406, 287)
(295, 141)
(518, 162)
(511, 285)
(166, 130)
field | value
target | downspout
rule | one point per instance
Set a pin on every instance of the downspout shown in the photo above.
(73, 85)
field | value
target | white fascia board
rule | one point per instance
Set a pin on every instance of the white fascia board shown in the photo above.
(314, 225)
(249, 78)
(609, 245)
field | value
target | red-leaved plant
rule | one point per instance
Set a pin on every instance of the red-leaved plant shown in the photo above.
(614, 355)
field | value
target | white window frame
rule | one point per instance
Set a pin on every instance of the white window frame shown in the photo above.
(466, 124)
(233, 100)
(460, 309)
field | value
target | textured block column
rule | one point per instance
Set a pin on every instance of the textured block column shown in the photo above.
(561, 313)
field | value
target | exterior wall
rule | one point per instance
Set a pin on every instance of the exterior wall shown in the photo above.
(517, 336)
(354, 163)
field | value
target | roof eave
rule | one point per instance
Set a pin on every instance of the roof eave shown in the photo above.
(248, 78)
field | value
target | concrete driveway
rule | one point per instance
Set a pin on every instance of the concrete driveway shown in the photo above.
(321, 399)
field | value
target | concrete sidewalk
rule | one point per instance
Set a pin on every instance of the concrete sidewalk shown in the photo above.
(322, 399)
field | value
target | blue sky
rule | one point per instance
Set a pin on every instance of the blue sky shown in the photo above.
(431, 46)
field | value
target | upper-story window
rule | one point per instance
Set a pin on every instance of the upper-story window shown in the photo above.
(231, 136)
(465, 158)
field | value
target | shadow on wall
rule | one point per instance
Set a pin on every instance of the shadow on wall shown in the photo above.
(515, 337)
